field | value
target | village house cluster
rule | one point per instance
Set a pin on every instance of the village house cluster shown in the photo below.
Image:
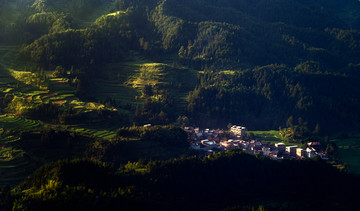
(209, 141)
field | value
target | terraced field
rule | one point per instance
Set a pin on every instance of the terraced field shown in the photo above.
(125, 82)
(107, 133)
(111, 83)
(18, 159)
(121, 81)
(15, 122)
(15, 170)
(15, 165)
(6, 81)
(56, 90)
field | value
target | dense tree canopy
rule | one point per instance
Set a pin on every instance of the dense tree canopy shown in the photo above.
(316, 54)
(232, 178)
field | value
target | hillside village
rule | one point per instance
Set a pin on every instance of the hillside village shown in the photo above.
(210, 140)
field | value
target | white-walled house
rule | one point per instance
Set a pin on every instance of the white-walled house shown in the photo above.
(310, 153)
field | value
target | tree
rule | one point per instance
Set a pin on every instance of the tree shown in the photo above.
(138, 111)
(6, 199)
(326, 139)
(148, 90)
(59, 72)
(316, 130)
(289, 122)
(331, 150)
(251, 136)
(182, 120)
(182, 52)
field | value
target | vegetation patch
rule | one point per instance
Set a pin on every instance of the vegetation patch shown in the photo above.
(349, 153)
(30, 78)
(272, 136)
(148, 74)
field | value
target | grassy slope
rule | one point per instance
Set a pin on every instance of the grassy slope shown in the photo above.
(349, 152)
(9, 13)
(85, 19)
(8, 55)
(6, 81)
(269, 136)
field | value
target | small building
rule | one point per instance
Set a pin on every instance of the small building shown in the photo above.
(323, 156)
(274, 154)
(238, 130)
(195, 146)
(266, 151)
(244, 145)
(256, 148)
(310, 152)
(225, 144)
(300, 152)
(204, 141)
(208, 143)
(280, 147)
(315, 145)
(188, 129)
(218, 131)
(291, 150)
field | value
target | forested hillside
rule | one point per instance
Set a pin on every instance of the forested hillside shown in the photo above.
(81, 78)
(311, 39)
(231, 180)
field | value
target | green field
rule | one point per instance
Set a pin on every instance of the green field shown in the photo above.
(269, 136)
(349, 152)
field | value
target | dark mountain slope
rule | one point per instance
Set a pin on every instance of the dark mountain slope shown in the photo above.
(271, 31)
(237, 35)
(214, 182)
(238, 12)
